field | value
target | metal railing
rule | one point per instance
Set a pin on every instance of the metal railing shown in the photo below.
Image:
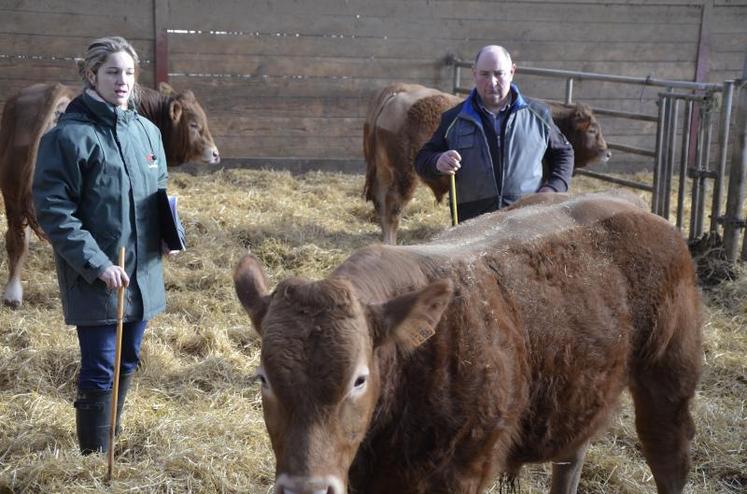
(700, 103)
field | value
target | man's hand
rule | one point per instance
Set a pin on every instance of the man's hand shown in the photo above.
(449, 162)
(114, 277)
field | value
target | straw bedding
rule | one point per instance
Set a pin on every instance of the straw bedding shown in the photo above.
(193, 422)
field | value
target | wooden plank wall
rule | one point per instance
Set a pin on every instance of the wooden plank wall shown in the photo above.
(289, 80)
(639, 39)
(728, 40)
(298, 75)
(39, 39)
(728, 50)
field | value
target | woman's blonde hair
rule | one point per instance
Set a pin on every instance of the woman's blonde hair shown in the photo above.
(97, 54)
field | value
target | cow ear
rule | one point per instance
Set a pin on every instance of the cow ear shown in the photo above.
(175, 111)
(250, 283)
(166, 89)
(410, 319)
(582, 113)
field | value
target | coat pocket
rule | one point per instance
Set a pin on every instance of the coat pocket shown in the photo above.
(464, 138)
(91, 302)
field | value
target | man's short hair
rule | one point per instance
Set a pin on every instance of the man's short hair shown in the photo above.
(500, 48)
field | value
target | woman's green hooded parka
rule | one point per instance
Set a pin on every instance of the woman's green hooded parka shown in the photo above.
(97, 174)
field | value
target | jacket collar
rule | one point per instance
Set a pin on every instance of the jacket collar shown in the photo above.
(472, 103)
(89, 108)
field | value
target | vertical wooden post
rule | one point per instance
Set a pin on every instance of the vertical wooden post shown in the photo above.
(161, 45)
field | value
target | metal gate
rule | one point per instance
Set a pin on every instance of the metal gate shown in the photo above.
(692, 106)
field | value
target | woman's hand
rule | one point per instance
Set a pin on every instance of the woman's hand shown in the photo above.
(115, 277)
(165, 251)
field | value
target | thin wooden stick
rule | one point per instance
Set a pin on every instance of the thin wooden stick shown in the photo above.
(117, 363)
(454, 217)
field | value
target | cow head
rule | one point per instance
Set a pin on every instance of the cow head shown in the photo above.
(190, 138)
(585, 135)
(319, 371)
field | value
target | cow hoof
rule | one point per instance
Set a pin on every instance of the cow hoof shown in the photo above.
(13, 294)
(13, 304)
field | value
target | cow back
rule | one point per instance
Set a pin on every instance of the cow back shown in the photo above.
(567, 291)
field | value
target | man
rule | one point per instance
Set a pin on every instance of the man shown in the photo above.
(495, 142)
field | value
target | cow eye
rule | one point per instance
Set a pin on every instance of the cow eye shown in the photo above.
(360, 381)
(194, 125)
(262, 379)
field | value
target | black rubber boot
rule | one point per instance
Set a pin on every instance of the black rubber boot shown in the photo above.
(124, 386)
(93, 411)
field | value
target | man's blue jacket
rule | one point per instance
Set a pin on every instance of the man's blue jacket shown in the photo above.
(493, 176)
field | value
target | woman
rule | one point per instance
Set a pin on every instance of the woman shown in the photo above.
(97, 174)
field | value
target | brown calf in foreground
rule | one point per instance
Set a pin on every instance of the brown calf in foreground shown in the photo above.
(506, 340)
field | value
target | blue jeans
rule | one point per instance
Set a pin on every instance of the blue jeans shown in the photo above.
(97, 348)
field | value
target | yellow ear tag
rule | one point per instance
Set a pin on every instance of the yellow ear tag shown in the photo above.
(417, 336)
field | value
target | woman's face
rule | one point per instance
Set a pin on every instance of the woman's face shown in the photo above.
(115, 78)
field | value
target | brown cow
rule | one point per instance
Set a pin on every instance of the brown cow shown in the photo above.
(507, 340)
(32, 111)
(402, 117)
(579, 125)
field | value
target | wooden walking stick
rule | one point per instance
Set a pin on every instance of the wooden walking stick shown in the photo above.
(454, 217)
(117, 363)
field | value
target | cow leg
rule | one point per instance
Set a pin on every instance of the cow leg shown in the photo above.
(388, 207)
(17, 246)
(663, 386)
(566, 471)
(390, 218)
(665, 429)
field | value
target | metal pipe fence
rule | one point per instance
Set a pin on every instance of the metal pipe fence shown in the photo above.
(701, 100)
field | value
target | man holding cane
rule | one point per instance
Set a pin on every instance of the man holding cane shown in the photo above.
(495, 142)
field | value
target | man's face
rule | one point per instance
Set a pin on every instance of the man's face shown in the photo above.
(493, 74)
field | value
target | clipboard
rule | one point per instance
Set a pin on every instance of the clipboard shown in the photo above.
(172, 231)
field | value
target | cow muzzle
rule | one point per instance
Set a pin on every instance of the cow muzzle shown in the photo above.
(327, 484)
(211, 155)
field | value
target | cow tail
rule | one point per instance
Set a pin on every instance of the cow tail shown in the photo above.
(5, 137)
(30, 218)
(369, 145)
(29, 212)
